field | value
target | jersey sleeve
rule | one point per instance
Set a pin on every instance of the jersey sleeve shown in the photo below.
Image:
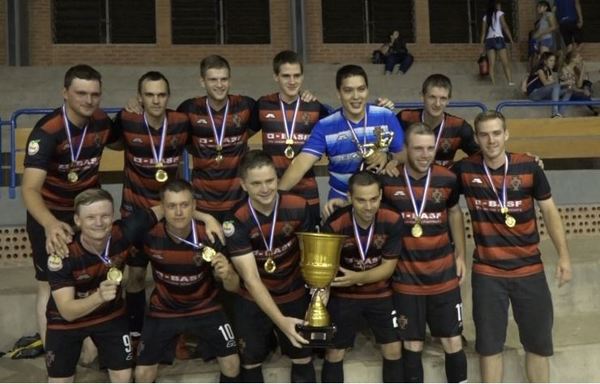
(395, 126)
(41, 146)
(238, 238)
(541, 187)
(62, 277)
(316, 144)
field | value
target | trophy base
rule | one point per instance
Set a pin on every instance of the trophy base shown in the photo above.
(318, 337)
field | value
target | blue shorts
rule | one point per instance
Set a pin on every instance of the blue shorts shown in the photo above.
(495, 43)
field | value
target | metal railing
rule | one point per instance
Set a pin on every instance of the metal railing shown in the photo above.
(452, 104)
(543, 103)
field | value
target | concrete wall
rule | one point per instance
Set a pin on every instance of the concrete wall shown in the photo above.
(3, 27)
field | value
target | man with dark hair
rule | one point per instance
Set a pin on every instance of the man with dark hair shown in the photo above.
(286, 122)
(86, 298)
(263, 247)
(430, 268)
(348, 137)
(452, 132)
(185, 297)
(63, 156)
(500, 188)
(369, 256)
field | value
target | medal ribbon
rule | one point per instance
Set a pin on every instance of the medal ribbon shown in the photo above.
(74, 156)
(439, 135)
(361, 250)
(418, 210)
(268, 245)
(163, 135)
(194, 243)
(289, 132)
(104, 255)
(355, 137)
(501, 201)
(218, 136)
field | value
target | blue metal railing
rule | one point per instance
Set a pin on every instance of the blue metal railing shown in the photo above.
(452, 104)
(542, 103)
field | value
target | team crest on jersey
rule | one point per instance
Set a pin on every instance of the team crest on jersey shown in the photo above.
(516, 182)
(237, 120)
(305, 118)
(287, 229)
(33, 147)
(445, 145)
(437, 195)
(378, 241)
(174, 142)
(228, 228)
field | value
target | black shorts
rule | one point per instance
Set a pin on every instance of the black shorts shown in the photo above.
(37, 238)
(441, 312)
(63, 347)
(571, 33)
(159, 336)
(254, 330)
(532, 310)
(378, 313)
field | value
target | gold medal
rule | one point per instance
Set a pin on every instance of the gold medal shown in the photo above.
(114, 274)
(161, 175)
(510, 221)
(416, 230)
(270, 265)
(208, 253)
(504, 210)
(72, 177)
(289, 141)
(289, 152)
(54, 263)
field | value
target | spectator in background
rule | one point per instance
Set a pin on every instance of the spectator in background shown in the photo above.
(395, 52)
(545, 25)
(543, 85)
(574, 77)
(570, 21)
(493, 30)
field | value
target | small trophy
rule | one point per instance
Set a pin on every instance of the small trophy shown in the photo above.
(384, 138)
(319, 263)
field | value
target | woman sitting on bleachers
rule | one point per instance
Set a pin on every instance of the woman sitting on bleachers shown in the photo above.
(543, 84)
(574, 76)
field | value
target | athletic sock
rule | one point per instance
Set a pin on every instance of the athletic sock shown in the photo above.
(413, 366)
(393, 371)
(456, 367)
(303, 373)
(252, 375)
(332, 372)
(136, 306)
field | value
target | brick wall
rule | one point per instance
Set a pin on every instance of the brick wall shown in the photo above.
(44, 52)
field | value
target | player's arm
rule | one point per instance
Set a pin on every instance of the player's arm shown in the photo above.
(71, 308)
(297, 169)
(457, 229)
(246, 267)
(225, 272)
(58, 233)
(381, 272)
(557, 234)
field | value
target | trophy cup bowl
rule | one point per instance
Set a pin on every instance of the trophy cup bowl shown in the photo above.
(319, 264)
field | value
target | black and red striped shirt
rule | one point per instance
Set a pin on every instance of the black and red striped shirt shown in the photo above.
(184, 282)
(500, 250)
(243, 236)
(48, 149)
(84, 271)
(274, 137)
(457, 134)
(216, 184)
(140, 188)
(427, 264)
(386, 243)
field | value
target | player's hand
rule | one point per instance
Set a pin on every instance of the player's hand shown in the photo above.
(213, 228)
(58, 235)
(307, 96)
(134, 106)
(108, 290)
(461, 269)
(564, 274)
(332, 205)
(376, 162)
(391, 168)
(289, 328)
(222, 267)
(348, 279)
(537, 159)
(385, 103)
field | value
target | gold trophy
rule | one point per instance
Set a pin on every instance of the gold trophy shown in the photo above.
(319, 263)
(384, 138)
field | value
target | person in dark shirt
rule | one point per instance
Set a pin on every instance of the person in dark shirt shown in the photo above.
(395, 52)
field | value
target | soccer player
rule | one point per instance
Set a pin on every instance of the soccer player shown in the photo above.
(368, 259)
(63, 156)
(430, 268)
(263, 247)
(500, 188)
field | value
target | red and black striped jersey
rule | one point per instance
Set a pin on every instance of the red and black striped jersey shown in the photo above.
(386, 243)
(500, 250)
(216, 183)
(184, 282)
(243, 236)
(140, 188)
(457, 134)
(427, 264)
(48, 149)
(274, 137)
(84, 271)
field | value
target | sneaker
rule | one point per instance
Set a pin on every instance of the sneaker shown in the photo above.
(27, 347)
(557, 115)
